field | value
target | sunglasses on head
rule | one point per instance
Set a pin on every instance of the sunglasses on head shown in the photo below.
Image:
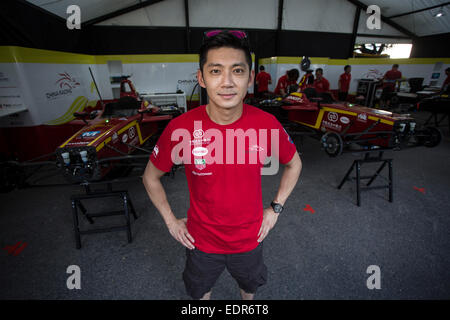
(237, 33)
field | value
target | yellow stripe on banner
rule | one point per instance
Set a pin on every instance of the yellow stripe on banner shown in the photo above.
(31, 55)
(77, 105)
(381, 120)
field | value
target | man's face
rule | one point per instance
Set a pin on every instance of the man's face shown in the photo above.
(319, 74)
(226, 77)
(348, 70)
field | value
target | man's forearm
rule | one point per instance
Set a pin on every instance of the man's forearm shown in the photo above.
(288, 181)
(158, 196)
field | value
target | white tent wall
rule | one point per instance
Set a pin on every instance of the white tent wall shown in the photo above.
(251, 14)
(319, 15)
(167, 13)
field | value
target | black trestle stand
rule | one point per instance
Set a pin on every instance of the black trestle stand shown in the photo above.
(357, 166)
(76, 202)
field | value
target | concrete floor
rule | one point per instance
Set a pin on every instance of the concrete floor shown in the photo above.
(320, 255)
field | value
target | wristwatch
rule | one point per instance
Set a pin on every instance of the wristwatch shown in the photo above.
(277, 208)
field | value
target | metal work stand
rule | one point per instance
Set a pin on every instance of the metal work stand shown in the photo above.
(357, 166)
(76, 203)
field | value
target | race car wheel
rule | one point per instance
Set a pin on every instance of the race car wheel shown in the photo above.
(332, 144)
(433, 137)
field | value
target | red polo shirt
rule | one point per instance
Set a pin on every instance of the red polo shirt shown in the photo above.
(263, 81)
(321, 85)
(345, 79)
(390, 77)
(283, 83)
(225, 210)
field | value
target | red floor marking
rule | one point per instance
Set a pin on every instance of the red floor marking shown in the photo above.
(420, 189)
(16, 249)
(308, 208)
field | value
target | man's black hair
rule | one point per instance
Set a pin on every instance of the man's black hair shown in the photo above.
(261, 68)
(347, 66)
(293, 74)
(224, 40)
(319, 69)
(448, 69)
(395, 66)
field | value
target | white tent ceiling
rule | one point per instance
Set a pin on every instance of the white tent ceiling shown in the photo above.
(304, 15)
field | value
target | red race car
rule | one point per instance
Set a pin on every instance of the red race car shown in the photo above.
(121, 129)
(340, 125)
(115, 137)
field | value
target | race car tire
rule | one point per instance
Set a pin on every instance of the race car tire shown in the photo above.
(332, 143)
(433, 137)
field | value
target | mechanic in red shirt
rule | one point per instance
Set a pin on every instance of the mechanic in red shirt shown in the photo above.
(344, 83)
(306, 81)
(286, 81)
(320, 83)
(446, 84)
(389, 81)
(226, 221)
(263, 79)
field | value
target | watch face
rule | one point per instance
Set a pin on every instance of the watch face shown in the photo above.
(277, 208)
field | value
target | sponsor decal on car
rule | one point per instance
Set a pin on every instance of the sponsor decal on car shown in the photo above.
(345, 120)
(124, 138)
(132, 132)
(90, 134)
(333, 116)
(362, 117)
(331, 125)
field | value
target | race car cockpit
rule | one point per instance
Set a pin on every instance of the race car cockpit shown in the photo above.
(124, 107)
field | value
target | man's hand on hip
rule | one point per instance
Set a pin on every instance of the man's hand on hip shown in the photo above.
(269, 220)
(179, 231)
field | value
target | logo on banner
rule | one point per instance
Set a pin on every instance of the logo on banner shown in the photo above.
(65, 83)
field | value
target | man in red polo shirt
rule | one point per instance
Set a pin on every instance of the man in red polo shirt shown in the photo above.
(320, 83)
(263, 79)
(389, 81)
(344, 83)
(219, 145)
(289, 79)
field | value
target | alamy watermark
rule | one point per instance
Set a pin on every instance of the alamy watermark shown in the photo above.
(235, 146)
(74, 20)
(374, 20)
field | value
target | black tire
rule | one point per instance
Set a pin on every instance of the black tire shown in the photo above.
(332, 143)
(433, 137)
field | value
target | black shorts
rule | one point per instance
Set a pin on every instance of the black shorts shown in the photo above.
(203, 269)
